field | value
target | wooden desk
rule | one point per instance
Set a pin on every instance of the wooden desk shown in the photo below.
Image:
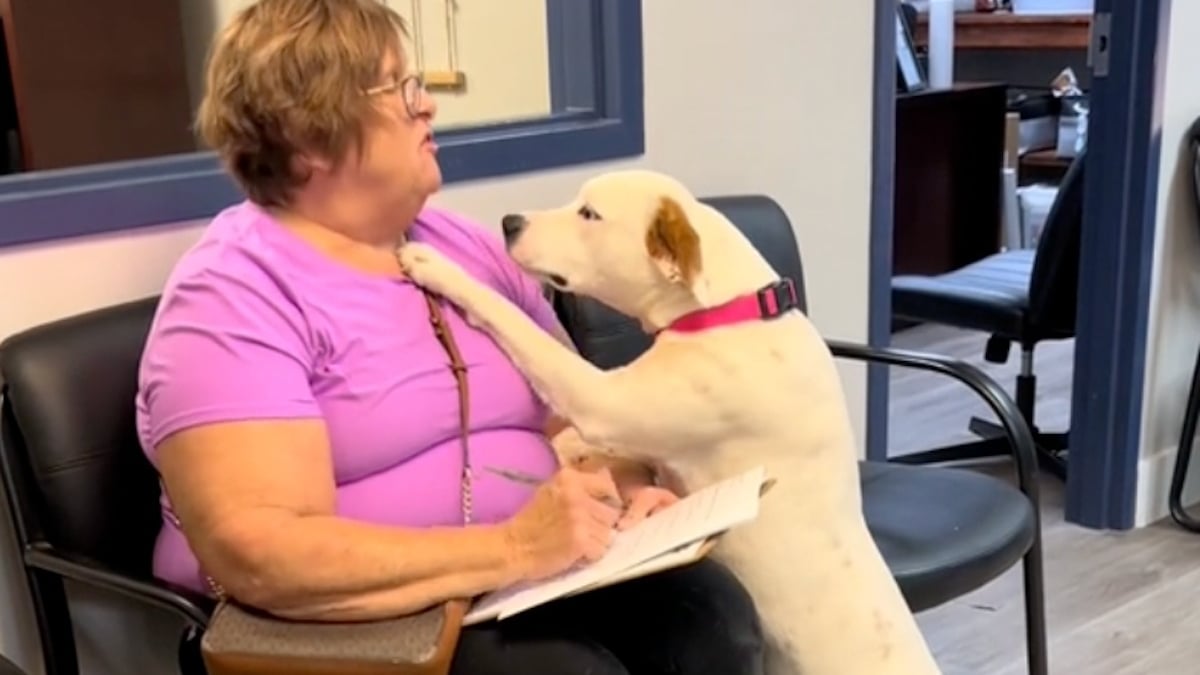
(949, 155)
(96, 81)
(1005, 30)
(1042, 166)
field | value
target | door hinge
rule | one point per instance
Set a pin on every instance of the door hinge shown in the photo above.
(1099, 46)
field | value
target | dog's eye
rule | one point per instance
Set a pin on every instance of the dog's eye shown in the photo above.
(587, 213)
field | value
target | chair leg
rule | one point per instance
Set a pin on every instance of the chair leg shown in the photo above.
(53, 617)
(1035, 609)
(191, 662)
(991, 446)
(1051, 447)
(1183, 456)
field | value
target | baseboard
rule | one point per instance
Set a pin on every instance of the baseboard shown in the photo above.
(1154, 482)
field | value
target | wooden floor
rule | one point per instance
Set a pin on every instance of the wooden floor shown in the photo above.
(1117, 603)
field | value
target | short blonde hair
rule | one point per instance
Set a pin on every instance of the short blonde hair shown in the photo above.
(287, 76)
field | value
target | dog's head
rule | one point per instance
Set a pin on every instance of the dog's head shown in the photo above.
(629, 239)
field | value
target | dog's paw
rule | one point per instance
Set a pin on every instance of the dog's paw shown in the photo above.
(431, 270)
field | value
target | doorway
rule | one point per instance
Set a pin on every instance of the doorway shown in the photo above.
(1090, 384)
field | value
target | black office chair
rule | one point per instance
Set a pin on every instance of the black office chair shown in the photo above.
(82, 497)
(1187, 436)
(1023, 296)
(944, 532)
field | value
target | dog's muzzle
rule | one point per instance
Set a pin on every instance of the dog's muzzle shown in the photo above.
(512, 225)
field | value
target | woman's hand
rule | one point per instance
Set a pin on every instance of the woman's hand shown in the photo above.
(570, 518)
(636, 484)
(642, 501)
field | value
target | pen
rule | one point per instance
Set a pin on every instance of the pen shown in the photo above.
(530, 479)
(515, 476)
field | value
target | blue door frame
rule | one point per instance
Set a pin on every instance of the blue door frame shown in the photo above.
(1115, 257)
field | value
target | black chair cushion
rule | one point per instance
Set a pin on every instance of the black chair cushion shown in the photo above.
(989, 295)
(83, 484)
(944, 532)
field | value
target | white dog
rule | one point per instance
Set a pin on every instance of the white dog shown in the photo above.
(721, 390)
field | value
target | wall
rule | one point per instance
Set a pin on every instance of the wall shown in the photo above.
(1175, 292)
(496, 41)
(727, 110)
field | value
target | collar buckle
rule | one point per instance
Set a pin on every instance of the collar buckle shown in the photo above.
(777, 298)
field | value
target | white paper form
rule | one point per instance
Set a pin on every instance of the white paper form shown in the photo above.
(676, 532)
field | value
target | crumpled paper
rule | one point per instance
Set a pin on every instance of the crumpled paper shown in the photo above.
(1074, 107)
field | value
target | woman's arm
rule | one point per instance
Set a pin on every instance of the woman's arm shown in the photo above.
(231, 422)
(262, 524)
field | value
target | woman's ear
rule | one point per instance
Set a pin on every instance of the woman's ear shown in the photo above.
(673, 243)
(308, 163)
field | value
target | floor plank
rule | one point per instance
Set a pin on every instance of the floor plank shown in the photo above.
(1117, 603)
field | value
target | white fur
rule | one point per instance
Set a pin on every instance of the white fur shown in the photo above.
(709, 405)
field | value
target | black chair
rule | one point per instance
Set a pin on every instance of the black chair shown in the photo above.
(1024, 296)
(9, 668)
(81, 495)
(1187, 436)
(84, 502)
(944, 532)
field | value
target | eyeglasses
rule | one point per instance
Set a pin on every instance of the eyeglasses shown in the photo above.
(411, 88)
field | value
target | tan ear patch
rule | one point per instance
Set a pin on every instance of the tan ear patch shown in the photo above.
(672, 239)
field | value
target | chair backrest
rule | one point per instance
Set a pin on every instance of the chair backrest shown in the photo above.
(609, 339)
(72, 466)
(1054, 283)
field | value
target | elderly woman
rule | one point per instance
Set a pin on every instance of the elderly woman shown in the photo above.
(299, 408)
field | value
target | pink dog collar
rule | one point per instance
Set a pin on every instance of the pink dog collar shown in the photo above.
(768, 302)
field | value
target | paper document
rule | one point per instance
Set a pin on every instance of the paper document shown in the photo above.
(671, 537)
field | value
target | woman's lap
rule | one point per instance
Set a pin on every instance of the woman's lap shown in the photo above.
(693, 620)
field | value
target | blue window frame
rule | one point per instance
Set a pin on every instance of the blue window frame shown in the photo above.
(595, 49)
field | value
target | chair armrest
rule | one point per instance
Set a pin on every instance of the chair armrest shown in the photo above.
(1015, 427)
(188, 605)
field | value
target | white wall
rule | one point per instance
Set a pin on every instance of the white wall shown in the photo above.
(1175, 291)
(501, 48)
(734, 103)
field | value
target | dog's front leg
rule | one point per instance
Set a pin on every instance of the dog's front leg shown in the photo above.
(574, 388)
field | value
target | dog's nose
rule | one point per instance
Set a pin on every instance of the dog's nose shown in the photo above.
(512, 224)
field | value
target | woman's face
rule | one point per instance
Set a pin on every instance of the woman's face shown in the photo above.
(399, 160)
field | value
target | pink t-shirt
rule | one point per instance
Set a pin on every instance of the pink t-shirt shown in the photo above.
(254, 323)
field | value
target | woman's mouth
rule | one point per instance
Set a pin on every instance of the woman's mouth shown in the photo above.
(428, 143)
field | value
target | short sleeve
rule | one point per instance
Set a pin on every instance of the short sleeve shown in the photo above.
(226, 345)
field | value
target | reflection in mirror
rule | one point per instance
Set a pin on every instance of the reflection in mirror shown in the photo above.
(89, 82)
(485, 61)
(94, 85)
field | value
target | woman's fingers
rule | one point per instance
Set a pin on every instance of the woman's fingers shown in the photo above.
(645, 502)
(601, 486)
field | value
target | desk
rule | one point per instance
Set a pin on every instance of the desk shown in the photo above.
(96, 81)
(949, 155)
(1005, 30)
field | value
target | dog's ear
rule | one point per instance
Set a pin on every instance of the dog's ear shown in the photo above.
(673, 242)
